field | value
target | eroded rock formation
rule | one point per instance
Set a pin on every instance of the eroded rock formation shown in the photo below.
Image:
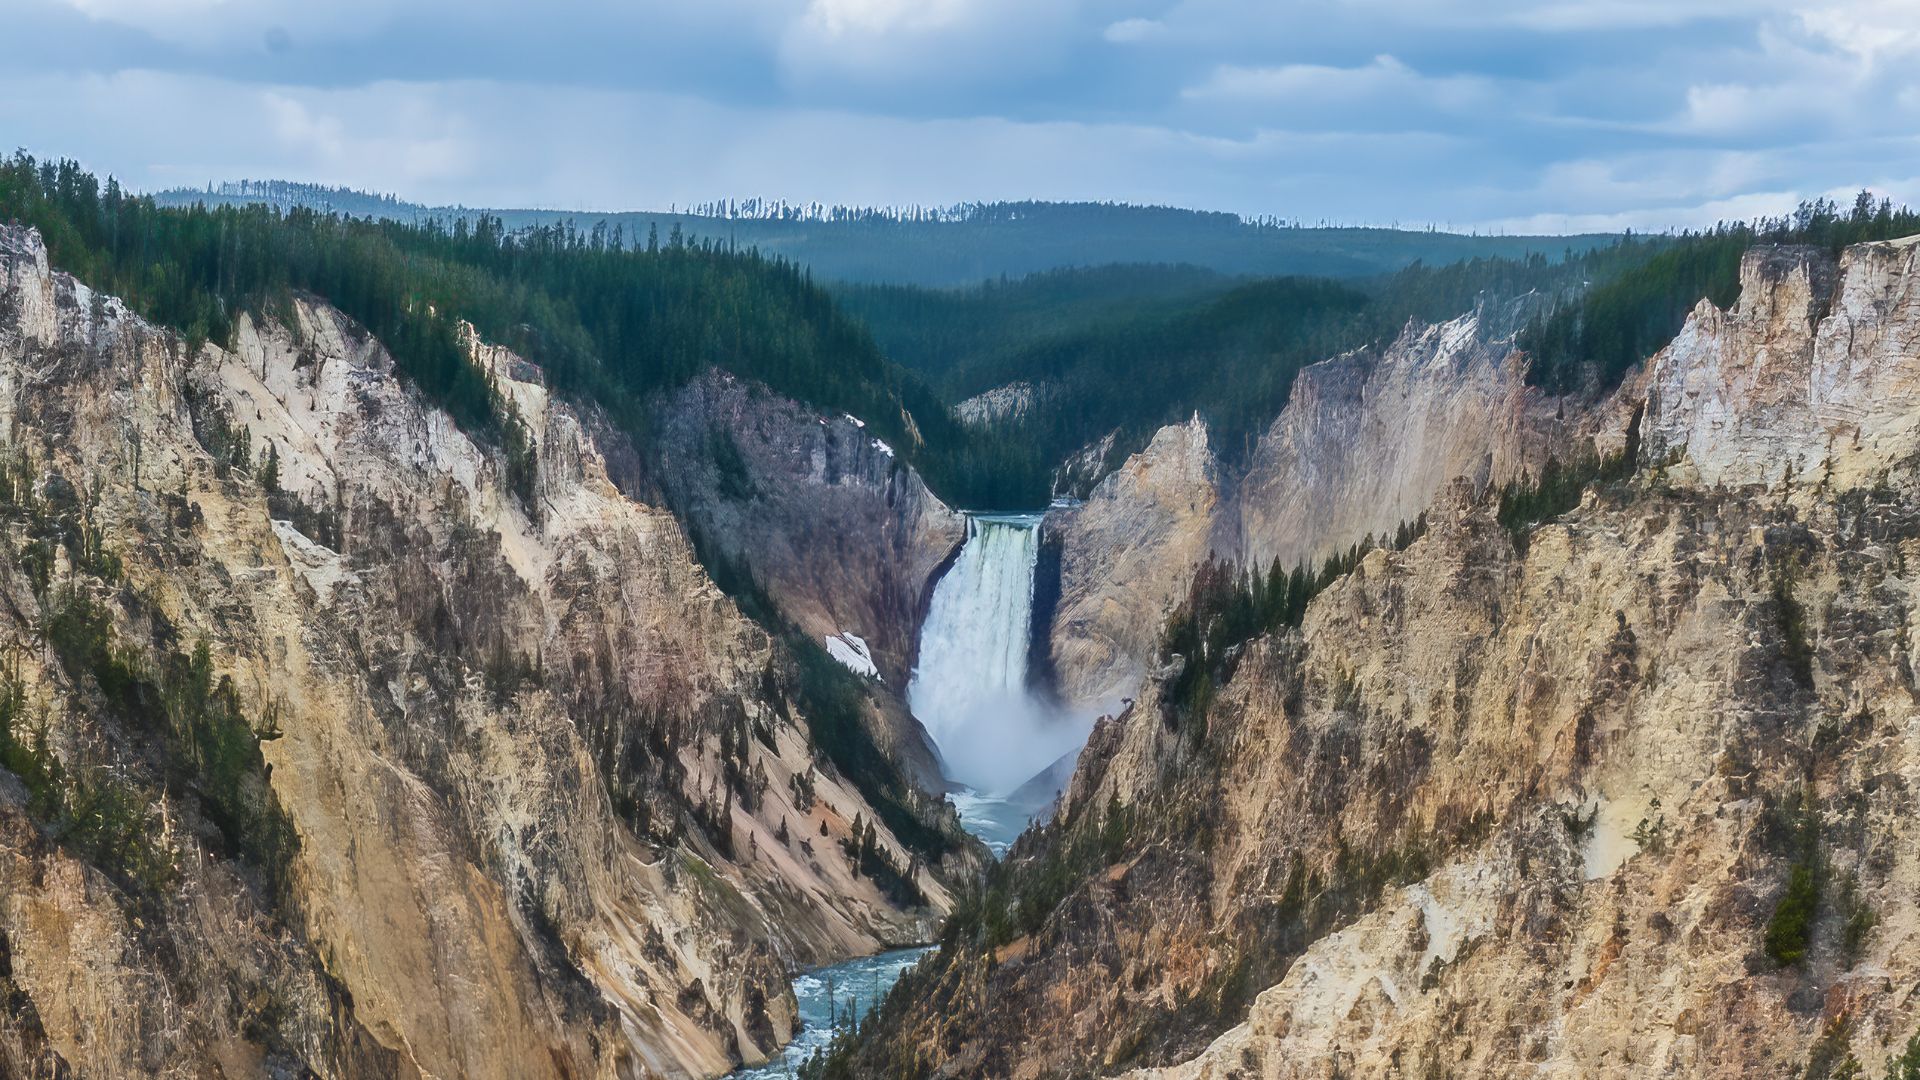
(1121, 559)
(1366, 443)
(1627, 794)
(557, 813)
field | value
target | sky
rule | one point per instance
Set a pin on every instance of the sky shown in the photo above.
(1491, 115)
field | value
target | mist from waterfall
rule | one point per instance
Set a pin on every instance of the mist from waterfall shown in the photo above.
(970, 686)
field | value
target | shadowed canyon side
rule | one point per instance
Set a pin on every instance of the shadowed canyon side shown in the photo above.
(550, 805)
(1622, 792)
(840, 532)
(820, 516)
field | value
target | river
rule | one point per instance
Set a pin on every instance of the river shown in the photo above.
(856, 984)
(1006, 750)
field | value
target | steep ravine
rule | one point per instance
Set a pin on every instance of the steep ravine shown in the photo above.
(556, 807)
(1627, 795)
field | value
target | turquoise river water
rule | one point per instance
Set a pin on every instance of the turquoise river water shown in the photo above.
(856, 984)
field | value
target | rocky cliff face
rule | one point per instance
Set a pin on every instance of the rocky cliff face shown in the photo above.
(1632, 798)
(838, 532)
(1369, 440)
(1010, 402)
(556, 813)
(1366, 443)
(1811, 376)
(1121, 553)
(832, 524)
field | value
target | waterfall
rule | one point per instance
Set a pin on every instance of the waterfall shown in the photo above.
(970, 686)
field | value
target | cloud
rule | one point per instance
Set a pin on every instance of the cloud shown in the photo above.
(1735, 108)
(1872, 30)
(1657, 217)
(1626, 14)
(849, 18)
(1478, 112)
(495, 143)
(909, 46)
(148, 128)
(1808, 78)
(1133, 31)
(213, 25)
(1384, 80)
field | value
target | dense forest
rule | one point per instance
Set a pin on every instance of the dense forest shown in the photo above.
(608, 319)
(1590, 344)
(954, 246)
(945, 333)
(1129, 349)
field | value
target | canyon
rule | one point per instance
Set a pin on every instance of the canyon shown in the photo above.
(1624, 793)
(557, 810)
(561, 795)
(1366, 443)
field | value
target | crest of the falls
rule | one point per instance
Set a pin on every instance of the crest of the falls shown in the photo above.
(970, 685)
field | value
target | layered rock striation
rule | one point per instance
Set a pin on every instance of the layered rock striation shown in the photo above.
(1367, 441)
(555, 810)
(1624, 794)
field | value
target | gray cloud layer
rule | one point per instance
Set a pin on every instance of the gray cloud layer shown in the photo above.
(1471, 113)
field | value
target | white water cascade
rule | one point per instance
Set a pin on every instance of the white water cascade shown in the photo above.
(970, 686)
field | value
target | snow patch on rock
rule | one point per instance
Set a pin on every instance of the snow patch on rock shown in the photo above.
(851, 650)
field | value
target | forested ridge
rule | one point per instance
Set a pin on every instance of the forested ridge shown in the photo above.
(607, 320)
(960, 245)
(947, 334)
(613, 317)
(1135, 348)
(1128, 349)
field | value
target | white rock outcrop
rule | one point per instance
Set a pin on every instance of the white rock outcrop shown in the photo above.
(1811, 373)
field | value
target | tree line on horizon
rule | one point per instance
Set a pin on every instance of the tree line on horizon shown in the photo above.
(953, 246)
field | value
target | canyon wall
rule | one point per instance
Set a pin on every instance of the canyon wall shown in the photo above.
(841, 536)
(1626, 794)
(1122, 554)
(840, 532)
(555, 810)
(1366, 442)
(1810, 377)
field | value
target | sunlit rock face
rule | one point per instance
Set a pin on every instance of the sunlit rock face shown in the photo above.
(1124, 559)
(1810, 375)
(1531, 810)
(1000, 404)
(1366, 443)
(530, 843)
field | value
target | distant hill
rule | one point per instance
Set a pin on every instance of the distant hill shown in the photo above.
(947, 334)
(966, 244)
